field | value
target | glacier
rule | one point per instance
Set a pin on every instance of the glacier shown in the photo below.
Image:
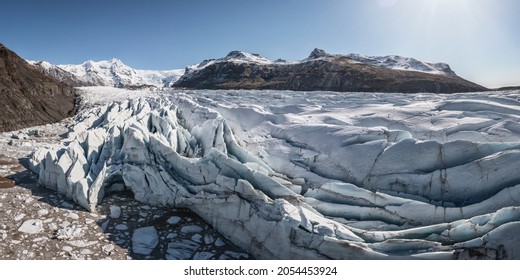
(307, 175)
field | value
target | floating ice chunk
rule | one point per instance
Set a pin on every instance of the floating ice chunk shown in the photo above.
(121, 227)
(115, 211)
(173, 220)
(191, 229)
(144, 240)
(181, 250)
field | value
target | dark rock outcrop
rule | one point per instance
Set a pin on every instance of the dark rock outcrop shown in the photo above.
(320, 71)
(29, 97)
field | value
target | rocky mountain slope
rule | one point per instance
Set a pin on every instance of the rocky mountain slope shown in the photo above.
(323, 71)
(29, 97)
(113, 73)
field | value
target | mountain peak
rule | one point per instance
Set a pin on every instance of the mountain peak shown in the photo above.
(116, 61)
(318, 53)
(246, 57)
(236, 54)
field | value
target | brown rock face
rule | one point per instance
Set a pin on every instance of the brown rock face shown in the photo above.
(28, 97)
(324, 73)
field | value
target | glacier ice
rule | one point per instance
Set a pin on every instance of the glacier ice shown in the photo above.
(286, 188)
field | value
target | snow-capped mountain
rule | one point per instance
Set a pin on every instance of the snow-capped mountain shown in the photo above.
(394, 62)
(323, 71)
(234, 57)
(403, 63)
(242, 70)
(112, 73)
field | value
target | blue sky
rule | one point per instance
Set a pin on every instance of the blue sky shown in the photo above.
(480, 39)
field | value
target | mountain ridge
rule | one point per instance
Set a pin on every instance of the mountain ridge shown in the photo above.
(327, 72)
(243, 70)
(112, 73)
